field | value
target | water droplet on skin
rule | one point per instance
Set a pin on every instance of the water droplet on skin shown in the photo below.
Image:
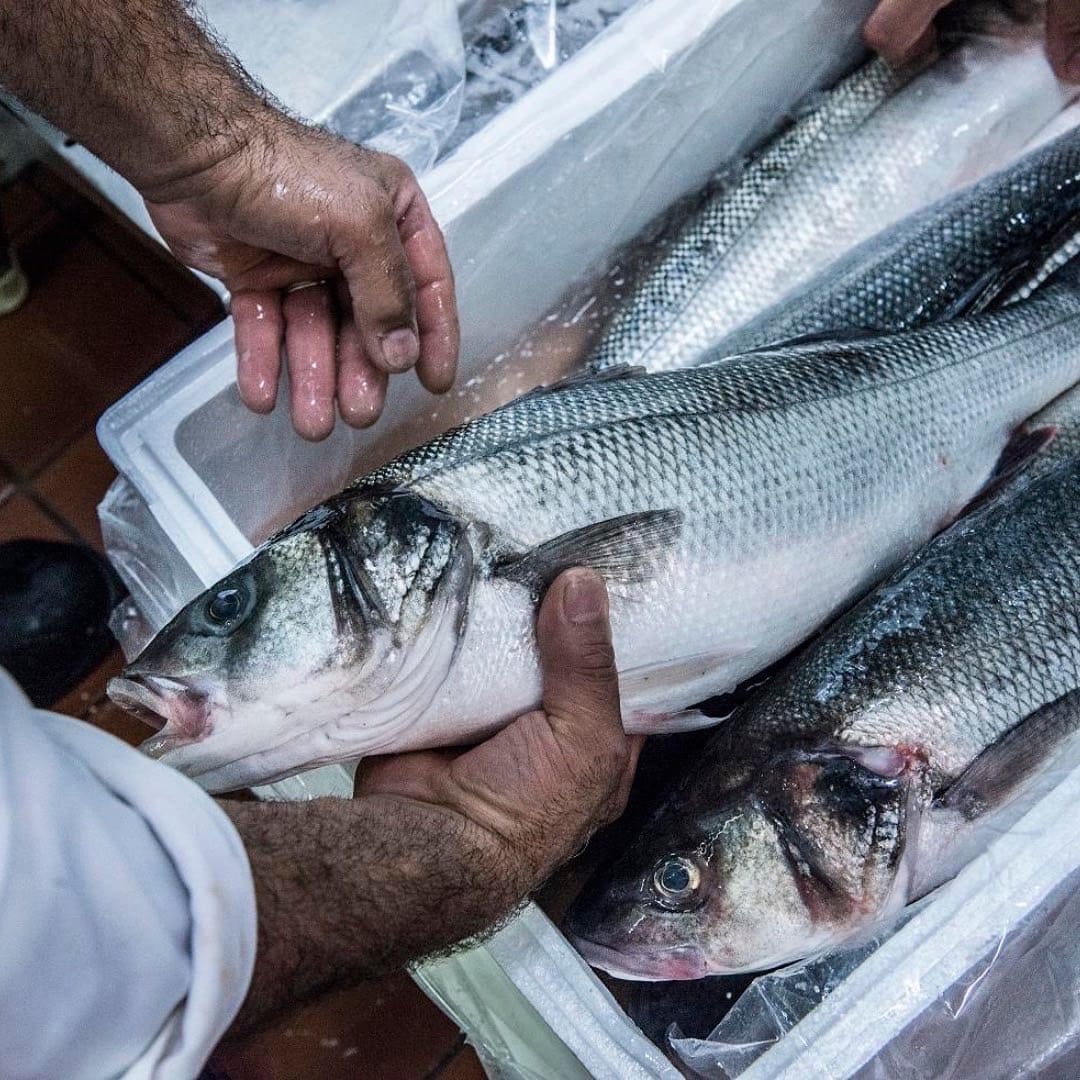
(280, 190)
(260, 313)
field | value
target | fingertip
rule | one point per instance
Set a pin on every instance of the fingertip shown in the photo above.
(313, 420)
(256, 385)
(396, 351)
(437, 376)
(584, 597)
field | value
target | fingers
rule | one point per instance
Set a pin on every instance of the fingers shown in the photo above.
(258, 326)
(1063, 38)
(381, 286)
(581, 686)
(436, 304)
(902, 30)
(361, 387)
(311, 345)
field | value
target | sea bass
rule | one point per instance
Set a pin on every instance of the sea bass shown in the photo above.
(992, 242)
(862, 776)
(866, 157)
(733, 509)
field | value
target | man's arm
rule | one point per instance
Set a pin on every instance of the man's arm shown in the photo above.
(438, 846)
(252, 196)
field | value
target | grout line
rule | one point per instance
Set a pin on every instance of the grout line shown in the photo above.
(447, 1059)
(54, 515)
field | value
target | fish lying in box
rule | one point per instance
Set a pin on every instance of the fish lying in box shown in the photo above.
(863, 775)
(878, 147)
(733, 509)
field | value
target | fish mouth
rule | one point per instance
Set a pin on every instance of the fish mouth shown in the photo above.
(179, 713)
(679, 964)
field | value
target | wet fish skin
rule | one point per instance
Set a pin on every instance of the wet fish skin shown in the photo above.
(865, 159)
(764, 494)
(859, 778)
(923, 268)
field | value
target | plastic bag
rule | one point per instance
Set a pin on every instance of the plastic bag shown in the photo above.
(510, 48)
(388, 73)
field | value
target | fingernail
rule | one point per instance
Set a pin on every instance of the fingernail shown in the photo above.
(400, 349)
(584, 597)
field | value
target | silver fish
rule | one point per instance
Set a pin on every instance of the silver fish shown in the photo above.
(995, 241)
(868, 771)
(867, 157)
(733, 509)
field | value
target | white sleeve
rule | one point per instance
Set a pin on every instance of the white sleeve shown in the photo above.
(127, 910)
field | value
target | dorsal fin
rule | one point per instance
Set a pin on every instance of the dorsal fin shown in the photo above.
(615, 373)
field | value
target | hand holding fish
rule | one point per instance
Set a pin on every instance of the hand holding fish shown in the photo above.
(439, 845)
(903, 30)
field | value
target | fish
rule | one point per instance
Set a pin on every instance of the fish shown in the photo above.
(878, 762)
(879, 147)
(732, 510)
(992, 243)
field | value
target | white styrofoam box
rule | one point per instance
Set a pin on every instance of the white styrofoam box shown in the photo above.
(577, 166)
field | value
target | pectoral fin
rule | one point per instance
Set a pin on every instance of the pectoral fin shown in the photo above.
(625, 550)
(998, 773)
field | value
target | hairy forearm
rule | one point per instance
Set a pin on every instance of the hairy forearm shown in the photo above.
(348, 890)
(139, 82)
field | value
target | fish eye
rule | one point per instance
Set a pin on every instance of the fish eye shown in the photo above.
(226, 609)
(225, 605)
(676, 882)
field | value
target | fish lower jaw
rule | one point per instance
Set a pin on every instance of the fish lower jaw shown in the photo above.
(683, 963)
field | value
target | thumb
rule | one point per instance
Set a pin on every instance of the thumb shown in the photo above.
(1063, 38)
(581, 686)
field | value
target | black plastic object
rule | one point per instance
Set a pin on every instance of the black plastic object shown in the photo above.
(55, 601)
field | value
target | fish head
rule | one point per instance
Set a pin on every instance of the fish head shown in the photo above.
(313, 650)
(800, 857)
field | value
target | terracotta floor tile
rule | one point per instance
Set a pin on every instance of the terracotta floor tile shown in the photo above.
(91, 690)
(465, 1066)
(75, 483)
(386, 1030)
(174, 285)
(21, 206)
(88, 333)
(21, 518)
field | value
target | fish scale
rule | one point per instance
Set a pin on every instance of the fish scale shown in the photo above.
(949, 687)
(878, 149)
(917, 272)
(734, 509)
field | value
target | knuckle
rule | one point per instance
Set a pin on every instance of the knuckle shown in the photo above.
(595, 661)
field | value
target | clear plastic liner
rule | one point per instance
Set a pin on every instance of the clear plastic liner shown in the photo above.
(510, 48)
(397, 74)
(148, 564)
(388, 73)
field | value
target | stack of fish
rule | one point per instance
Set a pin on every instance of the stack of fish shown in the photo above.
(736, 507)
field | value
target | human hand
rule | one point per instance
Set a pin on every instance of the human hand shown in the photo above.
(530, 797)
(439, 845)
(291, 205)
(903, 30)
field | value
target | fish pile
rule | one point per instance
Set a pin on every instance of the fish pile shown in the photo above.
(876, 149)
(781, 462)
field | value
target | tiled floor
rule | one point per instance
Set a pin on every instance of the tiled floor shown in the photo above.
(106, 308)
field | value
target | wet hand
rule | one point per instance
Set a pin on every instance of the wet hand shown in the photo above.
(530, 797)
(903, 30)
(328, 248)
